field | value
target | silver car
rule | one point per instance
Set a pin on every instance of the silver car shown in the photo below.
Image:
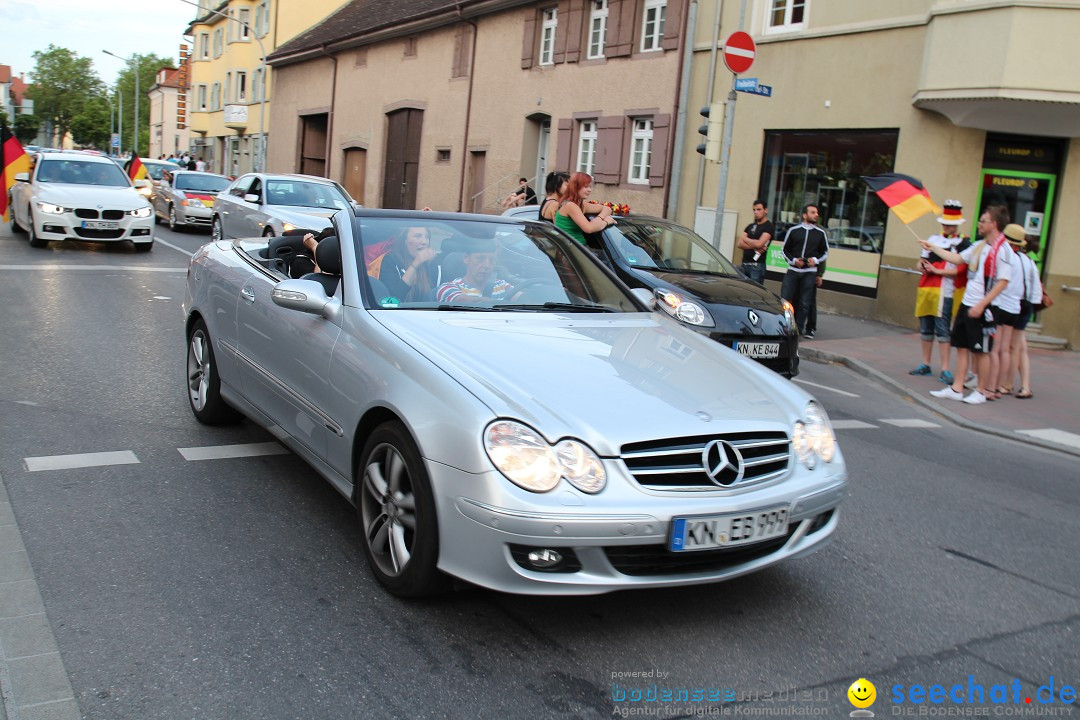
(185, 198)
(512, 416)
(260, 205)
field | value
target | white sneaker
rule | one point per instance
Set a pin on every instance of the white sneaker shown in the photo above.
(947, 393)
(975, 398)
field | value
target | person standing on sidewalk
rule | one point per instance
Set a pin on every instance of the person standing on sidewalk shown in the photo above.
(989, 264)
(934, 297)
(805, 247)
(754, 242)
(1029, 288)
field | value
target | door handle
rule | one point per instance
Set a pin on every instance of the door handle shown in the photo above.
(248, 293)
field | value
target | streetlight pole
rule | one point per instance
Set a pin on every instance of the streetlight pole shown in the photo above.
(262, 74)
(135, 132)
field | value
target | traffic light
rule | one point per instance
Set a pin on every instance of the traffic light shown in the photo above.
(713, 130)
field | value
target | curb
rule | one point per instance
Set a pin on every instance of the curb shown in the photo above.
(824, 356)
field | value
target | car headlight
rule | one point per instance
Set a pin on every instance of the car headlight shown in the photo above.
(50, 209)
(813, 437)
(286, 227)
(528, 461)
(789, 312)
(682, 309)
(580, 466)
(143, 212)
(193, 202)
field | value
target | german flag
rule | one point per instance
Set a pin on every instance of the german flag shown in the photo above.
(136, 170)
(13, 160)
(904, 195)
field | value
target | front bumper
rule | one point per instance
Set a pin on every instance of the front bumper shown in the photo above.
(193, 215)
(486, 541)
(69, 227)
(786, 363)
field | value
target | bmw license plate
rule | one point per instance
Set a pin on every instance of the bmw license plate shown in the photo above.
(758, 350)
(716, 531)
(100, 225)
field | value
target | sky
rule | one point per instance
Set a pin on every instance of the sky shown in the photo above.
(86, 27)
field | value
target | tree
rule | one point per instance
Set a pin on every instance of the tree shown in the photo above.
(148, 66)
(63, 84)
(26, 128)
(91, 125)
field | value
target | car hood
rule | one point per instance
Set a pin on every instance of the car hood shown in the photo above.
(607, 379)
(117, 198)
(716, 289)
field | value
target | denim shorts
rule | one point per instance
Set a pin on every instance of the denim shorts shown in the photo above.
(929, 326)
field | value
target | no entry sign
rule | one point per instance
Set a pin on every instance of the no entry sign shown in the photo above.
(739, 52)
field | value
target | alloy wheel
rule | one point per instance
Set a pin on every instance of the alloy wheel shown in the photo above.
(388, 510)
(199, 370)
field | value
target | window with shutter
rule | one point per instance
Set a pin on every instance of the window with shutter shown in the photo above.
(641, 141)
(586, 156)
(598, 17)
(548, 25)
(609, 149)
(652, 26)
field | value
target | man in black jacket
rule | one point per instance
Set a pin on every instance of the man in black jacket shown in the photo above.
(805, 248)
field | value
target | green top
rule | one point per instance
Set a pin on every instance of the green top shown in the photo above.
(568, 226)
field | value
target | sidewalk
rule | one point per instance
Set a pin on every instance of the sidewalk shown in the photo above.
(885, 353)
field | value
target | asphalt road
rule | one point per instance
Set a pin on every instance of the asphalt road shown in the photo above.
(236, 588)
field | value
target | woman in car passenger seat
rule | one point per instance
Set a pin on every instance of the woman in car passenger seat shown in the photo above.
(554, 186)
(408, 269)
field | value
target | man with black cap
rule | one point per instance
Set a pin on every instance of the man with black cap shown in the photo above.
(934, 297)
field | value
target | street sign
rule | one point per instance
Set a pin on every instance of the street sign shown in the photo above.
(115, 140)
(746, 84)
(739, 52)
(764, 90)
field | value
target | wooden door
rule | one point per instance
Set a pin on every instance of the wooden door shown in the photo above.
(402, 171)
(313, 145)
(355, 173)
(477, 161)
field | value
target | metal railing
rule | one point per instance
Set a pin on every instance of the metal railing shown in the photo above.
(1070, 288)
(900, 269)
(497, 195)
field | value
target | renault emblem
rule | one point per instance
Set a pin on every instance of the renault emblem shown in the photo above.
(754, 319)
(722, 463)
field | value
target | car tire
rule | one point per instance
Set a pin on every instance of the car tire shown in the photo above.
(15, 226)
(269, 233)
(35, 241)
(216, 232)
(393, 492)
(203, 383)
(172, 218)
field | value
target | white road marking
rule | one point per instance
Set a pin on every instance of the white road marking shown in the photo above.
(170, 245)
(909, 423)
(1054, 435)
(26, 402)
(161, 297)
(113, 268)
(852, 425)
(80, 460)
(220, 452)
(826, 387)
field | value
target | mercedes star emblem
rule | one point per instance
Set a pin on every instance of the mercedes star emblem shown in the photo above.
(720, 456)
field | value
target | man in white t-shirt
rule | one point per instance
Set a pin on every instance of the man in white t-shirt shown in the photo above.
(200, 165)
(990, 264)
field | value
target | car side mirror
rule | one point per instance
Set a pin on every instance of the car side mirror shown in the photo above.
(645, 296)
(22, 177)
(305, 296)
(251, 198)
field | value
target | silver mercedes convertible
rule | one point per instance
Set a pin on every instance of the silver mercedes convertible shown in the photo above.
(501, 409)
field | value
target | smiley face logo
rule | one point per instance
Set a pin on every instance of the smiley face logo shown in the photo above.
(862, 693)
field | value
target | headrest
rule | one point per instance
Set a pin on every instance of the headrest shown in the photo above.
(328, 255)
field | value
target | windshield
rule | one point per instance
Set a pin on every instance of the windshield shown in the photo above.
(425, 264)
(200, 182)
(81, 172)
(657, 245)
(304, 194)
(154, 169)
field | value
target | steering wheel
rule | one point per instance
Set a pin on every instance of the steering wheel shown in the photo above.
(523, 288)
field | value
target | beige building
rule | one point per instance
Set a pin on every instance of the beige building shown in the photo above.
(230, 86)
(168, 106)
(979, 99)
(446, 104)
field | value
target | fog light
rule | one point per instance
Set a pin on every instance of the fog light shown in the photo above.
(544, 559)
(59, 229)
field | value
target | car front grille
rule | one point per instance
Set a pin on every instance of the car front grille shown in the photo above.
(86, 213)
(680, 463)
(641, 560)
(98, 234)
(112, 214)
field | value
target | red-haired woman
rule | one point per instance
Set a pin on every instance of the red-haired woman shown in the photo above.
(571, 215)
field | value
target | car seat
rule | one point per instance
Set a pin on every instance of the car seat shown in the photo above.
(328, 256)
